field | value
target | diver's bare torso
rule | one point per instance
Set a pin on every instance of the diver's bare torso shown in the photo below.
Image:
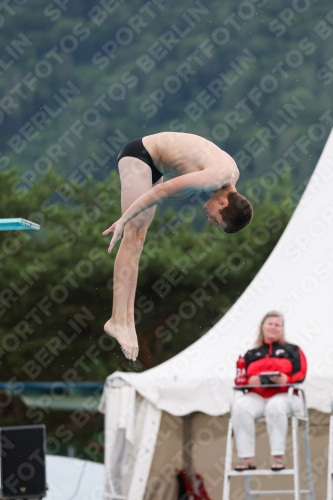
(176, 153)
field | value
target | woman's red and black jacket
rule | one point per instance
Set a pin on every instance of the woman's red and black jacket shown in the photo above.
(276, 357)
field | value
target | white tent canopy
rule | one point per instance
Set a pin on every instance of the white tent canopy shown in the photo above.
(297, 280)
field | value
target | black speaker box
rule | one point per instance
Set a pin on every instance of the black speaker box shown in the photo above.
(23, 462)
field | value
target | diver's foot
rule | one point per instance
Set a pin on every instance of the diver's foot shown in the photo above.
(123, 336)
(134, 341)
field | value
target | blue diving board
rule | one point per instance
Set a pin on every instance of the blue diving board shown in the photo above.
(17, 224)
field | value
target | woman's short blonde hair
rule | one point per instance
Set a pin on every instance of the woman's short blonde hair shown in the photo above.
(260, 338)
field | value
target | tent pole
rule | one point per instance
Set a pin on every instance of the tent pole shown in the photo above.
(187, 443)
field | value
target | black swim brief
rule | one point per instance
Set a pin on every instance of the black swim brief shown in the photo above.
(136, 149)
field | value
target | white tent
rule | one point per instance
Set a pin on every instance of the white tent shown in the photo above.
(297, 280)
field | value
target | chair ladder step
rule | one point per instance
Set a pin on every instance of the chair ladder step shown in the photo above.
(262, 472)
(277, 492)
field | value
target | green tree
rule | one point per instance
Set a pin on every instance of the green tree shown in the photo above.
(57, 283)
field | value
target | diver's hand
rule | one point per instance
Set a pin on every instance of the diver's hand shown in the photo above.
(117, 230)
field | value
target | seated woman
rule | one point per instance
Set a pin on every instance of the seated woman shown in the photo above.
(272, 353)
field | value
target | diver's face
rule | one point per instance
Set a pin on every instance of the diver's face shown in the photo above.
(212, 209)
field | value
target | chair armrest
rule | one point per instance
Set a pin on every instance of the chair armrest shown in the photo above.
(241, 387)
(301, 392)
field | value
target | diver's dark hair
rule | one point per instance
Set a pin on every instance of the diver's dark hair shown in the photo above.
(238, 214)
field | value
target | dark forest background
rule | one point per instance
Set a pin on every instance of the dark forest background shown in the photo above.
(77, 81)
